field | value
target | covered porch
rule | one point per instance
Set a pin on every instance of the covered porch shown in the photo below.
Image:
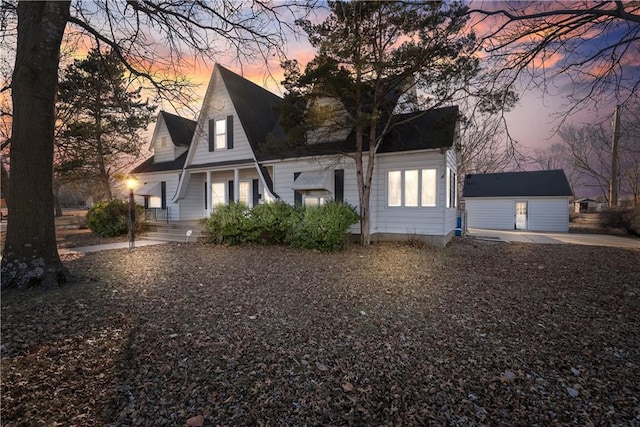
(220, 185)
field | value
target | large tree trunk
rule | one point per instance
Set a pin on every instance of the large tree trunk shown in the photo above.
(30, 254)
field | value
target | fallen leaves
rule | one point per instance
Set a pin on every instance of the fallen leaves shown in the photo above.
(196, 335)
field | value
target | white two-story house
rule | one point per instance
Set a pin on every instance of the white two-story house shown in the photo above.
(218, 159)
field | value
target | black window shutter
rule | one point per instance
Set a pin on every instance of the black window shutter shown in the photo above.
(212, 134)
(163, 194)
(231, 195)
(229, 132)
(297, 196)
(338, 194)
(256, 194)
(146, 202)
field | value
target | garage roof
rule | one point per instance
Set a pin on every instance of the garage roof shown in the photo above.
(517, 184)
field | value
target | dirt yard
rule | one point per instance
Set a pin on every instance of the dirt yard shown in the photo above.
(480, 333)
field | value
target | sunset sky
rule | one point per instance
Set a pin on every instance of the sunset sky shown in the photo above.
(533, 121)
(539, 111)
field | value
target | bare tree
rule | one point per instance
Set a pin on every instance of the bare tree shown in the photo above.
(554, 157)
(629, 152)
(151, 38)
(593, 44)
(589, 151)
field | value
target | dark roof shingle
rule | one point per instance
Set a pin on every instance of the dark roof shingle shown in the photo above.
(257, 108)
(149, 166)
(180, 129)
(517, 184)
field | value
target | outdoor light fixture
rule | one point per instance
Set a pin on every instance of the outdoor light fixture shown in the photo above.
(131, 185)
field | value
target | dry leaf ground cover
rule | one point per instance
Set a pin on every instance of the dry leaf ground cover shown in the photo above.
(480, 333)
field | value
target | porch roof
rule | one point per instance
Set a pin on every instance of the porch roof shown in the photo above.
(242, 162)
(150, 189)
(313, 180)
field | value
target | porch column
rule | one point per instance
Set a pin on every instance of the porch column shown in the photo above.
(207, 199)
(236, 185)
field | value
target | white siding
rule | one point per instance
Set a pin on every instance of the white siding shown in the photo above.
(431, 221)
(162, 154)
(550, 214)
(169, 152)
(283, 178)
(491, 213)
(171, 178)
(498, 213)
(218, 105)
(192, 204)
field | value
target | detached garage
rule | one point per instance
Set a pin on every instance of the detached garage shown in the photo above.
(536, 201)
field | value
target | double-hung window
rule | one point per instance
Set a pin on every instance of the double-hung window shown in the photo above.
(411, 188)
(218, 195)
(244, 192)
(221, 134)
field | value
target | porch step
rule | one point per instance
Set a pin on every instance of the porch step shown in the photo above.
(175, 231)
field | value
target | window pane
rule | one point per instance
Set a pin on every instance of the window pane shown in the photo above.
(244, 195)
(221, 134)
(394, 188)
(311, 200)
(452, 190)
(411, 188)
(428, 187)
(217, 193)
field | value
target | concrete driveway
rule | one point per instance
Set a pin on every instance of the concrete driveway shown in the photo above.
(555, 238)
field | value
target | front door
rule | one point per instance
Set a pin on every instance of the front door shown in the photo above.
(521, 215)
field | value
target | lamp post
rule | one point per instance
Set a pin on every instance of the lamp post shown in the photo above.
(131, 185)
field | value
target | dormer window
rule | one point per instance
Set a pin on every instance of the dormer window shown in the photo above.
(163, 142)
(221, 134)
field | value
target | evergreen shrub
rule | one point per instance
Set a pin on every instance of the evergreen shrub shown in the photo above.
(109, 218)
(322, 227)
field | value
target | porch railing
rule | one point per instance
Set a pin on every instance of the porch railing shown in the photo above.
(157, 214)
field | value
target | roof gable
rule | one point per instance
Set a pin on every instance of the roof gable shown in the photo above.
(180, 129)
(256, 107)
(517, 184)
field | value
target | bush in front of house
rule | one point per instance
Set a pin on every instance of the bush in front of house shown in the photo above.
(270, 222)
(229, 224)
(109, 218)
(322, 227)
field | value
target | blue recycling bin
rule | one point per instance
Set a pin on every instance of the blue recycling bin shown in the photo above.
(458, 231)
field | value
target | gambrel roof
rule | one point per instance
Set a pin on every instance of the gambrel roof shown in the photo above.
(517, 184)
